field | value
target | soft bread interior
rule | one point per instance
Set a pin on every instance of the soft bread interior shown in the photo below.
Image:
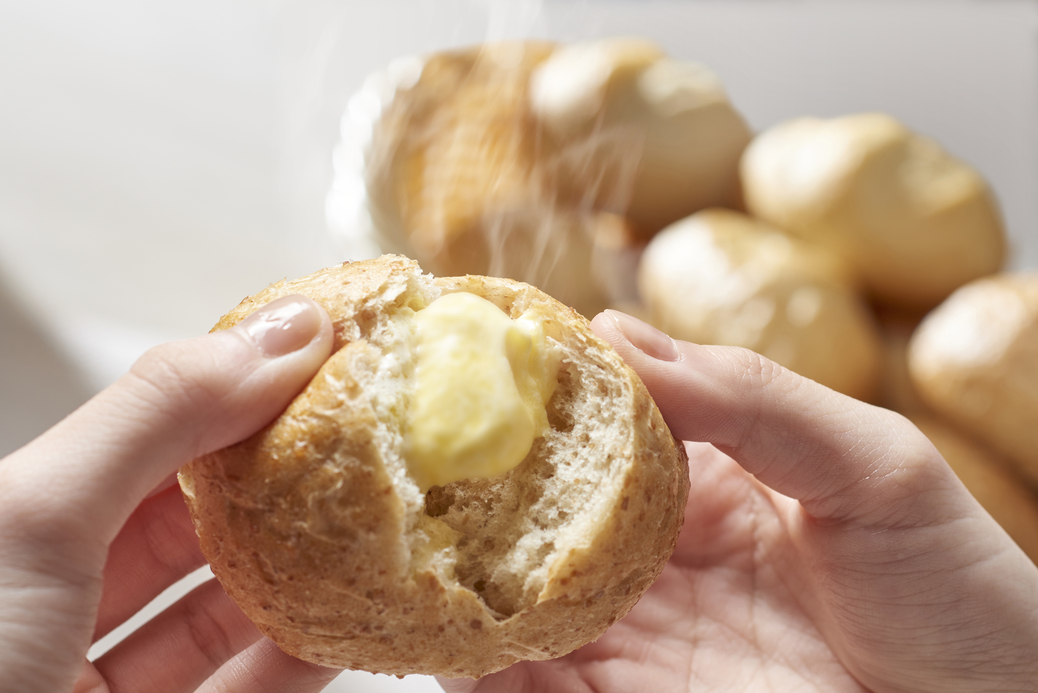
(513, 527)
(500, 537)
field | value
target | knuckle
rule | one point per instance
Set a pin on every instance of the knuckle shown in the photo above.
(162, 371)
(912, 469)
(904, 483)
(173, 383)
(759, 372)
(756, 376)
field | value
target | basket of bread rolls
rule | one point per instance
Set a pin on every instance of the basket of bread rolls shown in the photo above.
(518, 189)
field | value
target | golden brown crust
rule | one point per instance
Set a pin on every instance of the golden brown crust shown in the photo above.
(974, 360)
(721, 277)
(311, 529)
(915, 222)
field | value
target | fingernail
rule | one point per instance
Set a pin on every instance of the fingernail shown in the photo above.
(284, 325)
(645, 337)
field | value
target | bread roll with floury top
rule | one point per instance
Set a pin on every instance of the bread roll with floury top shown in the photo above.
(974, 359)
(913, 221)
(721, 277)
(472, 479)
(546, 164)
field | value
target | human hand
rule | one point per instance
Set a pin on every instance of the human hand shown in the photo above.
(826, 547)
(92, 525)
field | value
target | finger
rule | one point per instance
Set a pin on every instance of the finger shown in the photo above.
(554, 675)
(90, 680)
(459, 685)
(842, 459)
(263, 668)
(181, 647)
(155, 548)
(82, 479)
(259, 668)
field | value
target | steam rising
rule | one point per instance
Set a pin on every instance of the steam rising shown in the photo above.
(523, 159)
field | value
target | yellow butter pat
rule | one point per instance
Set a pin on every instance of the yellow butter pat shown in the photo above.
(483, 381)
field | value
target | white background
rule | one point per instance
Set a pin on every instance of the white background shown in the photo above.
(161, 160)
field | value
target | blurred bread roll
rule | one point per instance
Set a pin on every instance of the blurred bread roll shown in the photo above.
(454, 178)
(895, 390)
(721, 277)
(992, 481)
(974, 359)
(915, 222)
(641, 133)
(547, 165)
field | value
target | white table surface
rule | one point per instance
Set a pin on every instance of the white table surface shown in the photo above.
(160, 160)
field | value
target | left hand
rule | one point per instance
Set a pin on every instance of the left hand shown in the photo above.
(92, 525)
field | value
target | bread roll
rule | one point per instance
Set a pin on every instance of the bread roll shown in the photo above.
(913, 221)
(511, 159)
(992, 481)
(320, 531)
(640, 133)
(721, 277)
(456, 178)
(895, 390)
(975, 360)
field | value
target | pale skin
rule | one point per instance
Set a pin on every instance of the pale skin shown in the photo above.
(826, 546)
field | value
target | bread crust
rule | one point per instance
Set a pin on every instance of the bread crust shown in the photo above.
(974, 359)
(914, 222)
(721, 277)
(313, 528)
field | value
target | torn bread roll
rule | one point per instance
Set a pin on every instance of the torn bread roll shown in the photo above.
(721, 277)
(974, 359)
(512, 159)
(914, 222)
(472, 479)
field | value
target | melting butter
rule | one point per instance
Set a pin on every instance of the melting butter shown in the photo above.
(483, 381)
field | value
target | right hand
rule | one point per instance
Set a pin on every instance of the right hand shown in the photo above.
(826, 547)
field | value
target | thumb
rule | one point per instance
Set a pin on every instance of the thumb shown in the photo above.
(77, 484)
